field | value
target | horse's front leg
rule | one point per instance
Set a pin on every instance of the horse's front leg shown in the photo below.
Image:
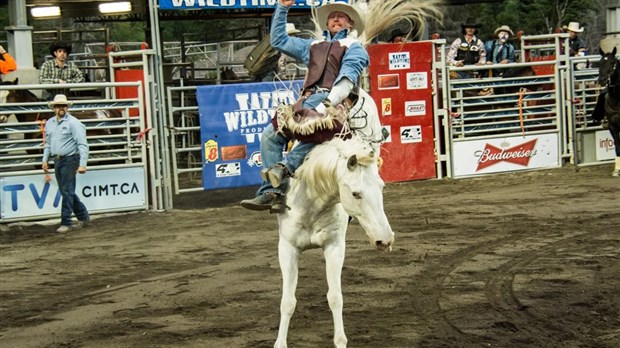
(334, 259)
(288, 256)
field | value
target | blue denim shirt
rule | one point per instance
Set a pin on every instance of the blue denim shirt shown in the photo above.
(65, 137)
(353, 63)
(507, 51)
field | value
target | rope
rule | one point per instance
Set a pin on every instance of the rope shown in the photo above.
(142, 134)
(521, 95)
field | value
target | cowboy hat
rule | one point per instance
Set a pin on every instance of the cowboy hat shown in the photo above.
(504, 28)
(59, 99)
(354, 14)
(574, 27)
(470, 23)
(58, 45)
(291, 30)
(396, 33)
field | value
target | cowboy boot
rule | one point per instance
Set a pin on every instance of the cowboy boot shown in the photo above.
(275, 175)
(262, 202)
(279, 205)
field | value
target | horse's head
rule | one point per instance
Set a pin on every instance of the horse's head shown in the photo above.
(19, 95)
(607, 67)
(361, 195)
(347, 172)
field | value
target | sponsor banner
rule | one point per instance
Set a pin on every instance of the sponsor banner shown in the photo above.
(605, 148)
(230, 4)
(386, 106)
(415, 108)
(100, 190)
(399, 61)
(410, 134)
(417, 80)
(505, 154)
(388, 81)
(232, 118)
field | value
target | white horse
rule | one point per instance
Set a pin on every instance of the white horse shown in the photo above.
(338, 179)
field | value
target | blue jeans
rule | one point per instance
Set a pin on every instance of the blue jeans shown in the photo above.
(272, 144)
(65, 171)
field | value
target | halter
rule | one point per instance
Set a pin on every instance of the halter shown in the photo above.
(612, 73)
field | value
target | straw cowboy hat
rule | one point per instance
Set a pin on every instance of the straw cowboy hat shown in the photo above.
(59, 99)
(291, 30)
(323, 12)
(58, 45)
(574, 27)
(504, 28)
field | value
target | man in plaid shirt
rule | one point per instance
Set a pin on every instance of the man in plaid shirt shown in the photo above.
(59, 70)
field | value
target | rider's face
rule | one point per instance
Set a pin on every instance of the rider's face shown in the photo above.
(336, 21)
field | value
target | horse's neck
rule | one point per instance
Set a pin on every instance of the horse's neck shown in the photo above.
(311, 207)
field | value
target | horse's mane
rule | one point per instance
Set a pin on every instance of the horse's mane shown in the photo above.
(320, 169)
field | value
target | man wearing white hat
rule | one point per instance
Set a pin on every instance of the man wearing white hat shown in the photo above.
(335, 63)
(575, 43)
(66, 145)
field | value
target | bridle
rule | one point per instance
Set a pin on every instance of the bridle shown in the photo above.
(612, 73)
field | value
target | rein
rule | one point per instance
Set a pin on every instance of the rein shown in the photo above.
(612, 74)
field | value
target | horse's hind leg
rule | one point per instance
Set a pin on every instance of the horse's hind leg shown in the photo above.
(614, 129)
(289, 259)
(334, 259)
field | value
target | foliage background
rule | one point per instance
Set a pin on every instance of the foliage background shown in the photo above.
(530, 16)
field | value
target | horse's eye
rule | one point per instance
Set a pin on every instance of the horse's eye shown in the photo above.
(357, 195)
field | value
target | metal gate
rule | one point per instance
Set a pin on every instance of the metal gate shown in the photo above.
(117, 166)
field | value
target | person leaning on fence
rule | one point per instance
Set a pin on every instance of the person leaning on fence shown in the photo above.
(7, 63)
(59, 70)
(327, 84)
(500, 51)
(66, 145)
(577, 46)
(468, 49)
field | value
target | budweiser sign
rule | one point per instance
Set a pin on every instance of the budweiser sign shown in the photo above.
(519, 154)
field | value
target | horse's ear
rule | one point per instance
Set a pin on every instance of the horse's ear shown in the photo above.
(613, 52)
(600, 51)
(16, 81)
(352, 162)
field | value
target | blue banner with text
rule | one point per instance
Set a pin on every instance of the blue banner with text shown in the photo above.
(232, 118)
(235, 4)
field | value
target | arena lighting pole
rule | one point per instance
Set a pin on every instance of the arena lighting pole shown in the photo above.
(159, 107)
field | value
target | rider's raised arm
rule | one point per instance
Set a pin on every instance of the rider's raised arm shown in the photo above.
(295, 47)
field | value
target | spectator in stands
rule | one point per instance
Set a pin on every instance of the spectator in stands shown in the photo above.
(7, 63)
(468, 49)
(59, 70)
(326, 86)
(500, 51)
(65, 143)
(397, 36)
(576, 45)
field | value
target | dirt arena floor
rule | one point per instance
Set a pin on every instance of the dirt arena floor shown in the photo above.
(516, 260)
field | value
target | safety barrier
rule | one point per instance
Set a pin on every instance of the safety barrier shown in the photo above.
(590, 143)
(537, 115)
(116, 179)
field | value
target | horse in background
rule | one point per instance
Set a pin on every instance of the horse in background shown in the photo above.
(17, 96)
(338, 179)
(609, 76)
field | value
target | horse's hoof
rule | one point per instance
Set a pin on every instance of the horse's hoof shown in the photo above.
(616, 173)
